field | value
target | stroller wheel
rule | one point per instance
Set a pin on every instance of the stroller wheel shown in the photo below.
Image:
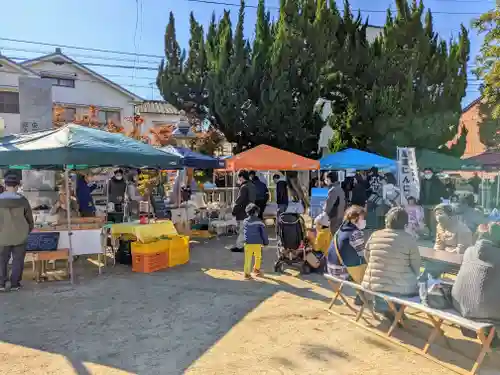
(305, 269)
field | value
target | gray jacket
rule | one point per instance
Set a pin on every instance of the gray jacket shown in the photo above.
(335, 202)
(16, 219)
(475, 292)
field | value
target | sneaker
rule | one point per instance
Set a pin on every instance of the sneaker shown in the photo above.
(3, 288)
(15, 288)
(237, 249)
(257, 273)
(248, 277)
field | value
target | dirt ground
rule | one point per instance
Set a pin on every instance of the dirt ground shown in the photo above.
(201, 318)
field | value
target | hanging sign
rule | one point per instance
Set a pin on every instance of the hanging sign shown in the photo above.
(408, 180)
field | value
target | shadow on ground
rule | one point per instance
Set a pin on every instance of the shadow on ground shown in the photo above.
(141, 323)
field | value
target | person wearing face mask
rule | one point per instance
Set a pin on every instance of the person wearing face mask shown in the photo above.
(393, 260)
(452, 234)
(431, 192)
(346, 253)
(116, 195)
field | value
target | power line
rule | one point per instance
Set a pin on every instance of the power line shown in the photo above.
(223, 3)
(108, 58)
(81, 48)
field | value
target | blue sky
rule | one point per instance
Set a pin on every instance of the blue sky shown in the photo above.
(138, 26)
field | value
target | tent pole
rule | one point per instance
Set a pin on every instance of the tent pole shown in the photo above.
(498, 189)
(68, 217)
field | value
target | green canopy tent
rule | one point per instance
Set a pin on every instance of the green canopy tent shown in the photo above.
(78, 147)
(442, 162)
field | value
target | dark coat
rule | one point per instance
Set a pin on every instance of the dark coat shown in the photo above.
(116, 190)
(246, 195)
(431, 191)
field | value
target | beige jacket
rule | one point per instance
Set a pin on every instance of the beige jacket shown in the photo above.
(393, 262)
(455, 239)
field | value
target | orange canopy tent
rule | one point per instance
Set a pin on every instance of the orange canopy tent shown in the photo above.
(267, 158)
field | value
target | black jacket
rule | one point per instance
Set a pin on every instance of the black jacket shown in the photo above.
(281, 192)
(116, 190)
(431, 191)
(246, 195)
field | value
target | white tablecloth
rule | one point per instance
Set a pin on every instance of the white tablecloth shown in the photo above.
(84, 241)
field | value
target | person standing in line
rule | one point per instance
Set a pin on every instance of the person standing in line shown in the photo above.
(246, 195)
(255, 238)
(432, 190)
(335, 201)
(16, 223)
(261, 193)
(281, 192)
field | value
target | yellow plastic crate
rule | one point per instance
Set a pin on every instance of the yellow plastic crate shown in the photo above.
(178, 252)
(160, 246)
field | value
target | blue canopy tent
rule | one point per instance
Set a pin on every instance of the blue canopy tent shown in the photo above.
(192, 159)
(355, 159)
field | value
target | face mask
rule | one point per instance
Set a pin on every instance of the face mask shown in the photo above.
(118, 177)
(361, 224)
(428, 176)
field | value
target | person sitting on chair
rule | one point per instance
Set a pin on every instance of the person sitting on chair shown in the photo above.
(452, 234)
(475, 291)
(393, 260)
(346, 252)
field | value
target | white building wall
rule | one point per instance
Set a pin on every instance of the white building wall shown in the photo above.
(9, 78)
(88, 91)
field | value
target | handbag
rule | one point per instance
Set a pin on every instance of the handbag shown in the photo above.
(436, 295)
(356, 272)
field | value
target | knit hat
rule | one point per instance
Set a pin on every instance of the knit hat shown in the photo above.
(11, 180)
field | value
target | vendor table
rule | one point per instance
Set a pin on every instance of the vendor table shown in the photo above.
(39, 259)
(144, 232)
(437, 262)
(84, 242)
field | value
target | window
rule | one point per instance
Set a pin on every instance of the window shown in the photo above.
(9, 102)
(107, 116)
(63, 82)
(69, 114)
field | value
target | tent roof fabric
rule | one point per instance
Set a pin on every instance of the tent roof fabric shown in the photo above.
(355, 159)
(489, 159)
(267, 158)
(80, 147)
(442, 162)
(194, 159)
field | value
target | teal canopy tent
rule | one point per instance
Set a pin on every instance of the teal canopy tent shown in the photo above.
(78, 147)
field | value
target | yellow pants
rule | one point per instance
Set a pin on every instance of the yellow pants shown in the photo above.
(250, 251)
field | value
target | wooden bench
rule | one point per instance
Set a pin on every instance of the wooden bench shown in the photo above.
(485, 331)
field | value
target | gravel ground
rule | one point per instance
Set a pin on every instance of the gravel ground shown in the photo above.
(201, 318)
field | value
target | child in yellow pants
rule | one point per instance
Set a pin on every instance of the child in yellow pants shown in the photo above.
(255, 238)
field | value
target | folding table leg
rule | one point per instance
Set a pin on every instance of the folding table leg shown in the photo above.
(398, 316)
(435, 332)
(338, 292)
(485, 347)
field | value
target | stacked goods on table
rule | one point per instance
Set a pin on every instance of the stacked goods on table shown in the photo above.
(163, 253)
(78, 223)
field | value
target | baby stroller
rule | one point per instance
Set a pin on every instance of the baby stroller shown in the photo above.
(293, 247)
